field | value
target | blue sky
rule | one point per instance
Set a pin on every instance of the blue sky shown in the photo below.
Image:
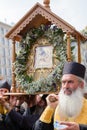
(72, 11)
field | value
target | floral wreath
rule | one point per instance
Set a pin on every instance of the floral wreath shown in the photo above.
(55, 36)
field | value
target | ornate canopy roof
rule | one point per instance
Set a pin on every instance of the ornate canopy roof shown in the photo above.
(36, 16)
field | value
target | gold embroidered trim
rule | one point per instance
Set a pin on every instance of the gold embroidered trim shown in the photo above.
(47, 115)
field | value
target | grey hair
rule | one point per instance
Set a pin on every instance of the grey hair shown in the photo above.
(85, 84)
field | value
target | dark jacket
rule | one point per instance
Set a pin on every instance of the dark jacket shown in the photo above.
(39, 125)
(8, 124)
(17, 121)
(2, 126)
(26, 121)
(83, 127)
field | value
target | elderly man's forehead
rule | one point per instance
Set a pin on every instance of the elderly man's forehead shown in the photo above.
(69, 76)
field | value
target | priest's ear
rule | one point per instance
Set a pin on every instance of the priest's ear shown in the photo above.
(81, 84)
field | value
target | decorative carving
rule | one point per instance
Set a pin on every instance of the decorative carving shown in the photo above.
(46, 3)
(47, 15)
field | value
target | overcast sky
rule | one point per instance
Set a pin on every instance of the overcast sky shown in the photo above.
(72, 11)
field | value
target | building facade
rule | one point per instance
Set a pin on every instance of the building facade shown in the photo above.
(5, 53)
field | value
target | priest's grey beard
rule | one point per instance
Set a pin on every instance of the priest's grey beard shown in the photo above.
(70, 105)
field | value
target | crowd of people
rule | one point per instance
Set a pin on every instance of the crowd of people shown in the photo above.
(66, 110)
(19, 112)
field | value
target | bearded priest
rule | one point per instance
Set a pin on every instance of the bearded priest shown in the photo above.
(69, 105)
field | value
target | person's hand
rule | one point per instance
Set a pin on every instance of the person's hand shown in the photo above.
(13, 100)
(5, 103)
(70, 126)
(52, 100)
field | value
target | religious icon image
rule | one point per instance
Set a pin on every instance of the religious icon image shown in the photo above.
(43, 57)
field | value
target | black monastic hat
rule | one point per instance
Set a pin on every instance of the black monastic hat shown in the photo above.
(75, 69)
(5, 84)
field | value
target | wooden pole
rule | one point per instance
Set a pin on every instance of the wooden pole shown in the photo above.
(13, 87)
(79, 50)
(68, 47)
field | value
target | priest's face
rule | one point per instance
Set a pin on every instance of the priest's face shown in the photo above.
(70, 96)
(70, 83)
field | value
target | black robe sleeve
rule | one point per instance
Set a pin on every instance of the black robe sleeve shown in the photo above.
(83, 127)
(39, 125)
(25, 122)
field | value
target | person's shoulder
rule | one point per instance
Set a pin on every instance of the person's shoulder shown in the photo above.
(85, 103)
(85, 100)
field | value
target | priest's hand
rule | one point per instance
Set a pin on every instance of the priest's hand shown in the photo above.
(70, 126)
(52, 100)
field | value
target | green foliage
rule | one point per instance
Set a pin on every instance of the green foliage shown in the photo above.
(49, 84)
